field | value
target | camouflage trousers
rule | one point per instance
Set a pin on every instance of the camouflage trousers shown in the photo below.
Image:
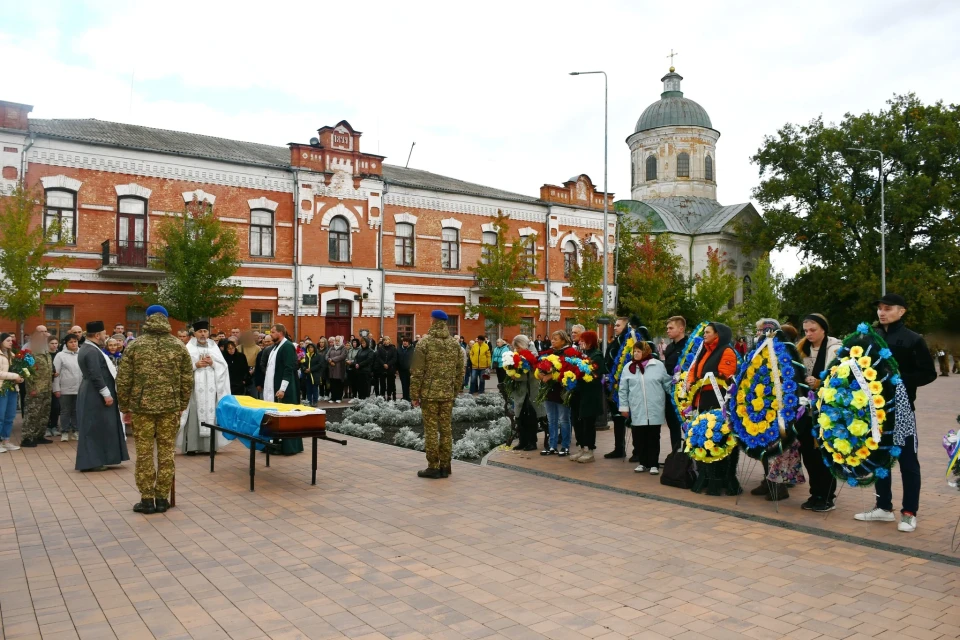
(437, 432)
(36, 415)
(155, 482)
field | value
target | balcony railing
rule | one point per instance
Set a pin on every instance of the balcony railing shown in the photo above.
(128, 254)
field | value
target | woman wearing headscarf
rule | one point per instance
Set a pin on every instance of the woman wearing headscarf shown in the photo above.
(527, 411)
(644, 388)
(237, 368)
(716, 362)
(817, 349)
(336, 363)
(589, 399)
(363, 365)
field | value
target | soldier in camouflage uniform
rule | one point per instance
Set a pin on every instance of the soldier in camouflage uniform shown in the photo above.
(39, 386)
(154, 383)
(435, 380)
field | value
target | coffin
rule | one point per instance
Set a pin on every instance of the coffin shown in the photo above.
(277, 425)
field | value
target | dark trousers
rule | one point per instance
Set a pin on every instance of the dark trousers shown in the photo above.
(405, 385)
(54, 413)
(501, 375)
(909, 467)
(585, 430)
(388, 385)
(352, 382)
(336, 389)
(375, 379)
(822, 483)
(363, 385)
(619, 433)
(675, 426)
(646, 444)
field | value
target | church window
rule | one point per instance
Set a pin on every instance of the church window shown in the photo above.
(403, 244)
(683, 165)
(339, 240)
(531, 256)
(61, 208)
(747, 287)
(708, 168)
(261, 233)
(488, 242)
(450, 248)
(651, 168)
(569, 258)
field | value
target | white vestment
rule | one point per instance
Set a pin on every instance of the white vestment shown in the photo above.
(269, 392)
(210, 384)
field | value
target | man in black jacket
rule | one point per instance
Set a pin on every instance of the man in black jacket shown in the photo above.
(404, 360)
(676, 331)
(916, 369)
(386, 368)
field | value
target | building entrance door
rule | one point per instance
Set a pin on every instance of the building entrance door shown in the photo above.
(338, 318)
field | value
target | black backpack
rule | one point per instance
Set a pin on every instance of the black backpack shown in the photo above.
(678, 471)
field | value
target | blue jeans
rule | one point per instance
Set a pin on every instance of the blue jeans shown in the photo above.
(477, 383)
(313, 393)
(8, 411)
(558, 416)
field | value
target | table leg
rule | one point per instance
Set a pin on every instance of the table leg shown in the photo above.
(253, 462)
(213, 447)
(313, 479)
(266, 450)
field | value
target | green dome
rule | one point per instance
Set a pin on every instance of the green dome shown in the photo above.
(673, 109)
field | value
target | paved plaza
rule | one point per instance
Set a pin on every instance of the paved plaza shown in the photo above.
(373, 552)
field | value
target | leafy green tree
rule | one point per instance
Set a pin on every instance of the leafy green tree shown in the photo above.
(503, 269)
(586, 289)
(650, 280)
(761, 298)
(714, 290)
(200, 256)
(823, 200)
(25, 267)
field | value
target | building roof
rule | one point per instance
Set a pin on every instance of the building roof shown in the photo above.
(672, 109)
(194, 145)
(686, 215)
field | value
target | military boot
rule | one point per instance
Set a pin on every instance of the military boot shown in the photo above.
(447, 471)
(162, 505)
(145, 506)
(430, 473)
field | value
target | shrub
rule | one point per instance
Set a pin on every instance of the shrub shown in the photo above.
(408, 438)
(368, 431)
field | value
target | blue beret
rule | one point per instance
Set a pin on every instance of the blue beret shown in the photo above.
(437, 314)
(155, 308)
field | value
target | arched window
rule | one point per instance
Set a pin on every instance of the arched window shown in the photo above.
(403, 245)
(61, 207)
(708, 168)
(261, 233)
(652, 168)
(683, 165)
(450, 248)
(569, 258)
(531, 256)
(339, 240)
(489, 240)
(747, 287)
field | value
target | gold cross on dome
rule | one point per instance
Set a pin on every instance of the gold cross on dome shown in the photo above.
(671, 56)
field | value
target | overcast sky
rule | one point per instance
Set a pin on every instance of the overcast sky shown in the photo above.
(482, 88)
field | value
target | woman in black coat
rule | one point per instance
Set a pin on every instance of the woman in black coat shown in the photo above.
(363, 365)
(237, 368)
(387, 368)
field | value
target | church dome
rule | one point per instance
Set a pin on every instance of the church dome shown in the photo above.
(672, 109)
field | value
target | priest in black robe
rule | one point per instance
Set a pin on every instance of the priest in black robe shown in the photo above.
(102, 442)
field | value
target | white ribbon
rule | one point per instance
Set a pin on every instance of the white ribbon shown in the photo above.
(777, 384)
(865, 387)
(712, 379)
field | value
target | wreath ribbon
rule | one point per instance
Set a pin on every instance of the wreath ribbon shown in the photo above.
(858, 374)
(777, 384)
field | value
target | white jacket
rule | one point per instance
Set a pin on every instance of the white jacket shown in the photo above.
(67, 364)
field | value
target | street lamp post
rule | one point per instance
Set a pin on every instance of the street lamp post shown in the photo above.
(883, 223)
(606, 231)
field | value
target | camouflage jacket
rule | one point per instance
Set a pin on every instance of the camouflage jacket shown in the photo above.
(437, 371)
(156, 373)
(41, 378)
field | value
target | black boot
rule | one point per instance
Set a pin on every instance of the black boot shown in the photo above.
(635, 435)
(430, 473)
(778, 491)
(761, 490)
(145, 506)
(447, 471)
(162, 505)
(619, 436)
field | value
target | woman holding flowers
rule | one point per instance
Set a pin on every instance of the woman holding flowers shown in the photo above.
(590, 397)
(8, 397)
(644, 389)
(558, 413)
(818, 349)
(525, 387)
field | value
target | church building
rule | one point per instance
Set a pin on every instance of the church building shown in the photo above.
(673, 177)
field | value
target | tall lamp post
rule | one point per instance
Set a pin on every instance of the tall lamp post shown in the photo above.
(883, 223)
(606, 231)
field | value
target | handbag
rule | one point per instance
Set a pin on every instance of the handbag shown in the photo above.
(678, 471)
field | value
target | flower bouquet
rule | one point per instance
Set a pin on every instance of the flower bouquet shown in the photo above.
(554, 370)
(576, 369)
(709, 438)
(682, 396)
(763, 404)
(854, 430)
(515, 364)
(22, 365)
(951, 442)
(620, 360)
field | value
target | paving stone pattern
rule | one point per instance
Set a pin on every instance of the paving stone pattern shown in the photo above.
(373, 552)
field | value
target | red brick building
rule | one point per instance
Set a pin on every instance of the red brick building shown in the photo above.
(333, 240)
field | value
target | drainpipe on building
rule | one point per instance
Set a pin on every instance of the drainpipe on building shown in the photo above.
(23, 165)
(296, 254)
(546, 252)
(383, 273)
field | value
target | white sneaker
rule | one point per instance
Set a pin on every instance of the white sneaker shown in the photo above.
(576, 455)
(75, 435)
(876, 515)
(65, 437)
(908, 524)
(587, 455)
(9, 446)
(2, 449)
(654, 471)
(640, 469)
